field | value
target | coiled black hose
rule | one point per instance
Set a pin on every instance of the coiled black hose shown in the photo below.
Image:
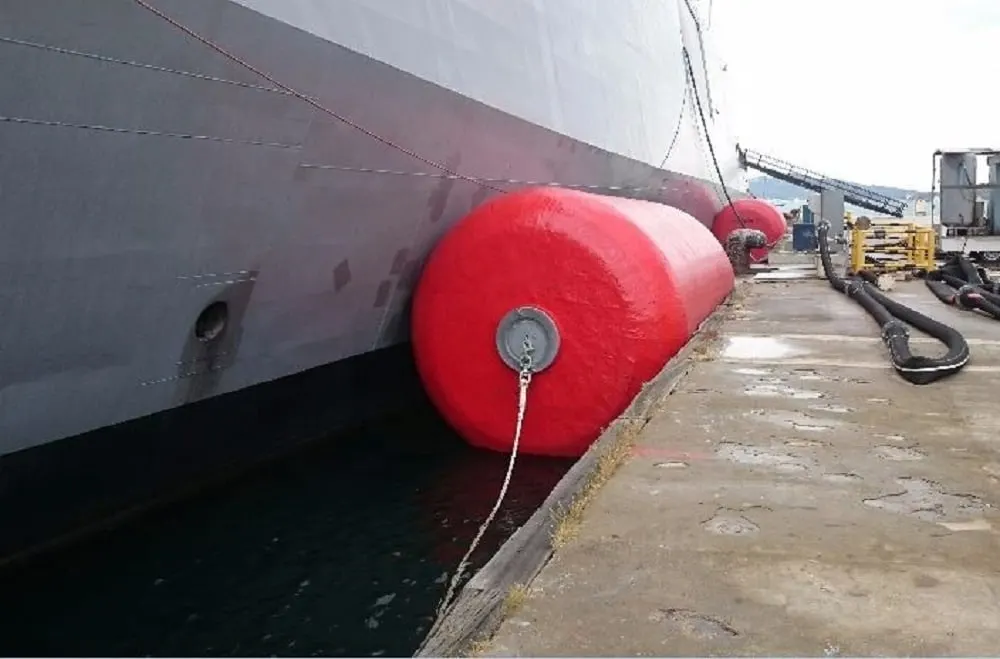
(988, 283)
(961, 284)
(890, 316)
(969, 271)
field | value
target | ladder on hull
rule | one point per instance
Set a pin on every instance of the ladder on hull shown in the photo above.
(810, 180)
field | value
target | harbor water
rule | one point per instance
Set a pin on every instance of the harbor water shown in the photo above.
(343, 548)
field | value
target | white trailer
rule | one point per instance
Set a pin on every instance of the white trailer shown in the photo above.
(983, 249)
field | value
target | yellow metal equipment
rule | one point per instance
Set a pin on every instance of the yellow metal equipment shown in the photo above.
(892, 247)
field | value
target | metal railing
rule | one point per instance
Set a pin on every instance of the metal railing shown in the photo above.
(853, 194)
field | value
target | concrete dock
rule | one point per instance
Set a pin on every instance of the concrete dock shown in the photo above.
(793, 497)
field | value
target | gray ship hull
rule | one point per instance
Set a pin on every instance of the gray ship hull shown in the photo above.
(177, 228)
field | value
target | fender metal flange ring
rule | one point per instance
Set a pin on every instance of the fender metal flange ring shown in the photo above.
(539, 328)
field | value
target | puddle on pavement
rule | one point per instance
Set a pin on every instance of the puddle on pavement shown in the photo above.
(753, 456)
(926, 501)
(671, 464)
(780, 271)
(753, 371)
(811, 427)
(973, 525)
(898, 453)
(782, 391)
(797, 420)
(843, 478)
(785, 276)
(804, 443)
(758, 347)
(835, 409)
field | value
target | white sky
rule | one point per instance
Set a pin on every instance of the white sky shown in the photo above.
(864, 90)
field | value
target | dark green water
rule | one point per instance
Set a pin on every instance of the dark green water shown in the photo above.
(343, 548)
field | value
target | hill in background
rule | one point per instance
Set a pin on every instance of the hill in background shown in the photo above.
(771, 188)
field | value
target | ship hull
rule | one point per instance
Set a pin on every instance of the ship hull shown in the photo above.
(178, 228)
(61, 491)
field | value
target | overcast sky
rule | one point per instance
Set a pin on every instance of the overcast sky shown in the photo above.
(861, 89)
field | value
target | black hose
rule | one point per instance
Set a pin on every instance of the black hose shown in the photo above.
(890, 315)
(952, 270)
(868, 276)
(973, 288)
(988, 286)
(969, 272)
(942, 291)
(950, 279)
(971, 298)
(988, 283)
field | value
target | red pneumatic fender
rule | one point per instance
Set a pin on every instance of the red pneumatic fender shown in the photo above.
(756, 214)
(624, 282)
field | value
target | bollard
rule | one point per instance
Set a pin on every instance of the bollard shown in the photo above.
(738, 246)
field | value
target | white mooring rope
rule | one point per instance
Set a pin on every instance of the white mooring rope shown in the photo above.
(524, 381)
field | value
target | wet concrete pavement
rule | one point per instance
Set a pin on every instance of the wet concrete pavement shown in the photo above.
(794, 497)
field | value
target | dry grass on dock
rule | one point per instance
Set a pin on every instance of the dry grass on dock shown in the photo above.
(567, 521)
(516, 597)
